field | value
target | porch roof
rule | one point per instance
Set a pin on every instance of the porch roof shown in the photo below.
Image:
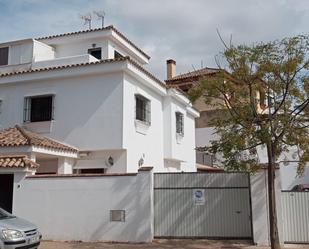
(17, 161)
(18, 136)
(202, 167)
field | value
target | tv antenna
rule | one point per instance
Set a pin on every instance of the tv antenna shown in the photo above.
(87, 19)
(100, 16)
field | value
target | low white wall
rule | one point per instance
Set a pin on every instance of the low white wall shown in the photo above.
(78, 59)
(78, 208)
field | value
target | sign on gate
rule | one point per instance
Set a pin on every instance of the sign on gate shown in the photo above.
(199, 197)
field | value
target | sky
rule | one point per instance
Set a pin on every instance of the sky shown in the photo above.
(183, 30)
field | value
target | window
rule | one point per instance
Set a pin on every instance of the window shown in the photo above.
(179, 123)
(93, 171)
(96, 52)
(205, 159)
(142, 110)
(117, 55)
(4, 56)
(39, 108)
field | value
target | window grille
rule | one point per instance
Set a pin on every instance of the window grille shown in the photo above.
(39, 108)
(142, 109)
(179, 123)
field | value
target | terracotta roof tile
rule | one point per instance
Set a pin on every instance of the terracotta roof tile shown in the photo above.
(111, 27)
(17, 136)
(194, 75)
(202, 167)
(17, 161)
(126, 58)
(63, 67)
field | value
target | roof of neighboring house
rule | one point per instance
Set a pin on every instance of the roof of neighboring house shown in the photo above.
(111, 27)
(17, 161)
(192, 76)
(18, 136)
(126, 58)
(202, 167)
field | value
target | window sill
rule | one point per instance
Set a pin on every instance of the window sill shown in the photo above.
(141, 127)
(39, 127)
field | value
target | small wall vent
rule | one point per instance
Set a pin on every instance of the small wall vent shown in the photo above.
(117, 215)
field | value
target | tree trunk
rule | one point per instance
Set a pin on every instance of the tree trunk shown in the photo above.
(274, 236)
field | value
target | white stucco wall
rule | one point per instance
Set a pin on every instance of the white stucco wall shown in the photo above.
(97, 159)
(151, 142)
(178, 147)
(88, 110)
(86, 58)
(79, 47)
(42, 51)
(94, 110)
(72, 47)
(147, 144)
(81, 206)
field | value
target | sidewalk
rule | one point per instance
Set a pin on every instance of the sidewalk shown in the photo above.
(161, 244)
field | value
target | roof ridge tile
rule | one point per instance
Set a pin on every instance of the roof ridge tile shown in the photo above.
(110, 27)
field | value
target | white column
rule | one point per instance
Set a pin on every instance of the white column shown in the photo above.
(65, 165)
(259, 202)
(33, 157)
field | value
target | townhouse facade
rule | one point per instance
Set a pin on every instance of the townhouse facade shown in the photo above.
(83, 102)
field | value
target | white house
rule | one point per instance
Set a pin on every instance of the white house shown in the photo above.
(83, 102)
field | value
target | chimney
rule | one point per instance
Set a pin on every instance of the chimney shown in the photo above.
(170, 69)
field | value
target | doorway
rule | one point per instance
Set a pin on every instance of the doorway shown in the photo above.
(6, 191)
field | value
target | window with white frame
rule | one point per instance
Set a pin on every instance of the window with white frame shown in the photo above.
(142, 109)
(39, 108)
(179, 123)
